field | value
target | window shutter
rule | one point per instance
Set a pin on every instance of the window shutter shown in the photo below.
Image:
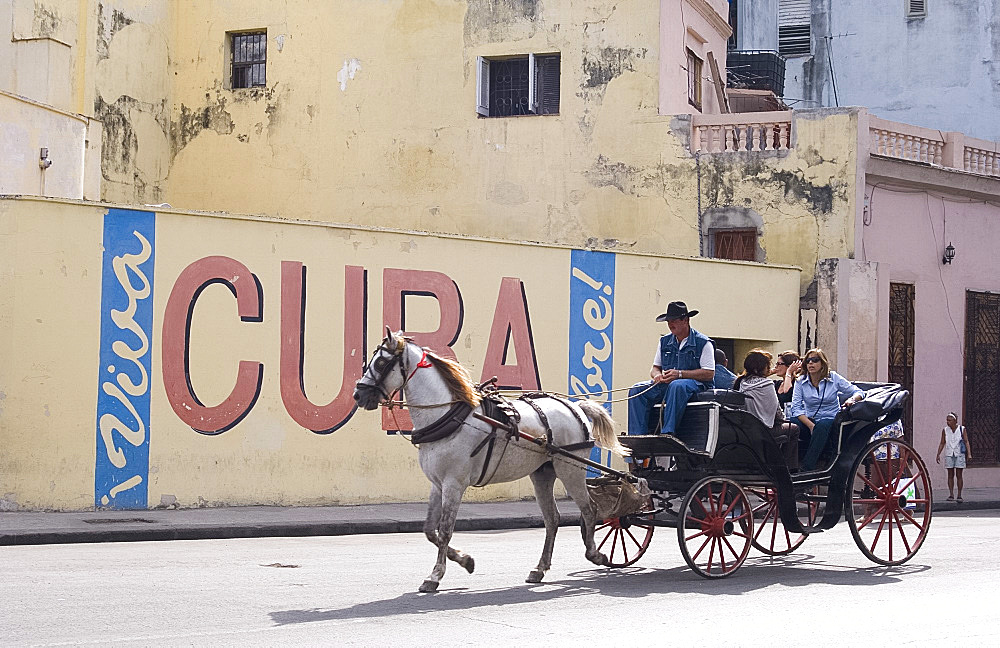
(547, 85)
(794, 24)
(483, 86)
(916, 8)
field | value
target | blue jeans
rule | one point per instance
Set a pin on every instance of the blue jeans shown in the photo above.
(674, 396)
(817, 442)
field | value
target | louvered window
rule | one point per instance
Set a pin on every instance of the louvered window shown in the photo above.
(916, 8)
(794, 27)
(249, 59)
(518, 85)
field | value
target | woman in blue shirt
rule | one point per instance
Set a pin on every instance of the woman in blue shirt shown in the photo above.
(816, 401)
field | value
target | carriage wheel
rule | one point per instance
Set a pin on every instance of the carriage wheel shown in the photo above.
(629, 536)
(770, 535)
(715, 528)
(889, 511)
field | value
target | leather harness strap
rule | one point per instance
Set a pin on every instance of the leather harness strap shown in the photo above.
(444, 426)
(529, 399)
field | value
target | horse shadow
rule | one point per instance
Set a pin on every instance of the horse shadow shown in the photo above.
(631, 582)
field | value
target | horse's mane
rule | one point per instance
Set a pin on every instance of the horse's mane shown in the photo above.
(457, 378)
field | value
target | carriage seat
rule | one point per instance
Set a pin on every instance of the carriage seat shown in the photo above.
(725, 397)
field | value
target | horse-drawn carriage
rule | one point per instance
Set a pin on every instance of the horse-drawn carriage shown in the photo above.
(724, 483)
(721, 480)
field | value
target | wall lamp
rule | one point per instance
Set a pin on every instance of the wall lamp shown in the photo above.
(43, 158)
(949, 254)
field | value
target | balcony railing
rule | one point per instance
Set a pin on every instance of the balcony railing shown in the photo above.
(741, 132)
(945, 149)
(772, 131)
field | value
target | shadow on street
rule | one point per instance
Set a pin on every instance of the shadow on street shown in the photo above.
(632, 582)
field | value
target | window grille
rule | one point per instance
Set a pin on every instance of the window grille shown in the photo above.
(901, 352)
(735, 244)
(982, 375)
(249, 59)
(794, 27)
(520, 85)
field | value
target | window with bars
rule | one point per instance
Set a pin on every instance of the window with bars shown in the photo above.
(249, 59)
(694, 69)
(902, 331)
(518, 85)
(794, 27)
(735, 244)
(982, 376)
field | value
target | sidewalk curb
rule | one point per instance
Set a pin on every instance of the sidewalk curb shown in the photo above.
(286, 529)
(160, 531)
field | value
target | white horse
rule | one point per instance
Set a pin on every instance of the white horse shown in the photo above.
(432, 386)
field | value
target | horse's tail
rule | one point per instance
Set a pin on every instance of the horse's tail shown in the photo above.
(604, 427)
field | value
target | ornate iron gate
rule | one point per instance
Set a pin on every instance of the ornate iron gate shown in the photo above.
(982, 375)
(901, 334)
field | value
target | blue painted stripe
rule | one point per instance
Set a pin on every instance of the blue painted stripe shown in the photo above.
(121, 473)
(591, 329)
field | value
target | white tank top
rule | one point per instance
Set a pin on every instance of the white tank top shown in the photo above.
(951, 439)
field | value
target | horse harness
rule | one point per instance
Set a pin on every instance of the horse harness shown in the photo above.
(497, 410)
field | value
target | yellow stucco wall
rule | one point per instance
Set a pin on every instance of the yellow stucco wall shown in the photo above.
(378, 127)
(52, 277)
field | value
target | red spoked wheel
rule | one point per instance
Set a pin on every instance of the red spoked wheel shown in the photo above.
(770, 535)
(715, 528)
(889, 511)
(629, 536)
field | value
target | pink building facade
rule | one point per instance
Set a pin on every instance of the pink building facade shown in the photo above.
(939, 322)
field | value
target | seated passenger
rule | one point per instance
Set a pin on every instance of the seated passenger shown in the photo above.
(724, 378)
(816, 401)
(762, 399)
(786, 368)
(683, 366)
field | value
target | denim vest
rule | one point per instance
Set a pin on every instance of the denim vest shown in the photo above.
(688, 358)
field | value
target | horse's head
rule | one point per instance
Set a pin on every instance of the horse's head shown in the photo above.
(384, 374)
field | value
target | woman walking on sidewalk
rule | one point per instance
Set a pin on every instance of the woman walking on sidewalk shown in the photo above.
(955, 439)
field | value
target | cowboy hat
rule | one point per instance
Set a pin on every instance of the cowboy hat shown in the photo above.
(676, 310)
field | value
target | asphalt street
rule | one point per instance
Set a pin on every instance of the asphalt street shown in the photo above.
(360, 590)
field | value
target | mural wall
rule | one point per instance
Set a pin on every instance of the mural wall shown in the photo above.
(170, 358)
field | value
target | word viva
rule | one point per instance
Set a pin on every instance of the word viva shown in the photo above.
(510, 328)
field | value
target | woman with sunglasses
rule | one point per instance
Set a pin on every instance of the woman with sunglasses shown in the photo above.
(786, 368)
(816, 401)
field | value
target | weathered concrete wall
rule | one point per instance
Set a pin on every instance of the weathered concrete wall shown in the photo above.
(73, 143)
(757, 25)
(109, 317)
(131, 77)
(939, 72)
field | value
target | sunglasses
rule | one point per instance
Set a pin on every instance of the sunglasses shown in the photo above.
(779, 363)
(812, 360)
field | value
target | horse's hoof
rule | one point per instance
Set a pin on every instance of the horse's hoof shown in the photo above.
(468, 563)
(428, 586)
(600, 559)
(535, 576)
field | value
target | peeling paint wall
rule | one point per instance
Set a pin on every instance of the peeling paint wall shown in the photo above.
(401, 143)
(383, 131)
(132, 77)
